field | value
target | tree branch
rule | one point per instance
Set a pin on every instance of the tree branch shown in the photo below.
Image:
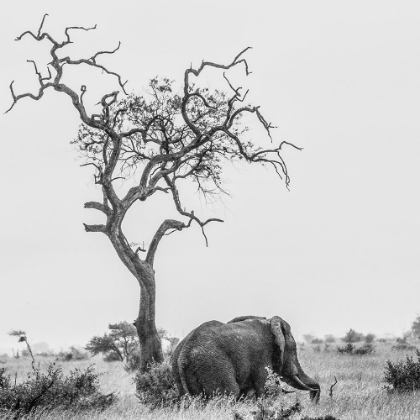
(191, 214)
(98, 206)
(95, 228)
(165, 226)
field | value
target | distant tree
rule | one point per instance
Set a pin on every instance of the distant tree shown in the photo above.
(415, 328)
(120, 344)
(352, 336)
(369, 338)
(23, 339)
(161, 140)
(329, 338)
(308, 338)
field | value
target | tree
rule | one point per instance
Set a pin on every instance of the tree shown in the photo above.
(120, 344)
(415, 328)
(352, 336)
(164, 138)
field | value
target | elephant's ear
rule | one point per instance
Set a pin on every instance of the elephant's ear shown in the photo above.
(279, 339)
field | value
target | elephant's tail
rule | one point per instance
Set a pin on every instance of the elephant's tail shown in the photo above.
(181, 371)
(181, 363)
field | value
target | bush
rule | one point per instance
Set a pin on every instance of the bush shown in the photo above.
(317, 341)
(272, 386)
(72, 353)
(403, 376)
(404, 347)
(329, 338)
(348, 349)
(79, 390)
(370, 338)
(156, 387)
(352, 336)
(352, 349)
(272, 411)
(365, 349)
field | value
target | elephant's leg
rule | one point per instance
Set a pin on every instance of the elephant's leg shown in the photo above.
(259, 383)
(217, 378)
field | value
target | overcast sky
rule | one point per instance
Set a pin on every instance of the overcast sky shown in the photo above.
(339, 250)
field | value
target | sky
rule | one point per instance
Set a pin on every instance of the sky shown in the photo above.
(339, 250)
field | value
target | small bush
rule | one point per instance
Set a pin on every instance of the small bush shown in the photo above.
(329, 338)
(365, 349)
(403, 376)
(79, 390)
(317, 341)
(404, 347)
(348, 349)
(156, 387)
(352, 349)
(273, 411)
(272, 386)
(72, 353)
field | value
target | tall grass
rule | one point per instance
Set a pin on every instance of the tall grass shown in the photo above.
(359, 394)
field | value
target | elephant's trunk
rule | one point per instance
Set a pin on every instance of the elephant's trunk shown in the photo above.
(300, 380)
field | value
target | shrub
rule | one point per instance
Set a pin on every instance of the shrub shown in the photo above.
(403, 376)
(272, 386)
(365, 349)
(352, 336)
(346, 349)
(156, 387)
(72, 353)
(404, 347)
(317, 341)
(329, 338)
(352, 349)
(273, 412)
(79, 390)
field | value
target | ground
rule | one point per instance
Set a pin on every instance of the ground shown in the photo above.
(359, 394)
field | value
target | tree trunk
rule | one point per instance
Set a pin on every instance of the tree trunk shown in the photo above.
(150, 343)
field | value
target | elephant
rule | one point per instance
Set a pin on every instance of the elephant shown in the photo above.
(232, 358)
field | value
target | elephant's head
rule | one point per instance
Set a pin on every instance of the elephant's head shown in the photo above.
(286, 361)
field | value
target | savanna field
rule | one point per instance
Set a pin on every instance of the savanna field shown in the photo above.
(360, 392)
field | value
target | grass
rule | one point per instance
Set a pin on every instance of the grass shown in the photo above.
(359, 394)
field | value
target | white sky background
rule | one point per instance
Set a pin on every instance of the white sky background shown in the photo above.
(339, 251)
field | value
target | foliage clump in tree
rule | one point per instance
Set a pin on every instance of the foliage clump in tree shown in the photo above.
(159, 139)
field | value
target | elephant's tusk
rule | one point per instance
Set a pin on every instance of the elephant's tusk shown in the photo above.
(304, 386)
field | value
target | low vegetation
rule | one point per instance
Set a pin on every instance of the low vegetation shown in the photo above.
(383, 384)
(403, 376)
(50, 389)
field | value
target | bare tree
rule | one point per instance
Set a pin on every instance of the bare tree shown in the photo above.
(163, 138)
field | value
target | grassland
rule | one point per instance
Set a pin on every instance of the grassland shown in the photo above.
(359, 394)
